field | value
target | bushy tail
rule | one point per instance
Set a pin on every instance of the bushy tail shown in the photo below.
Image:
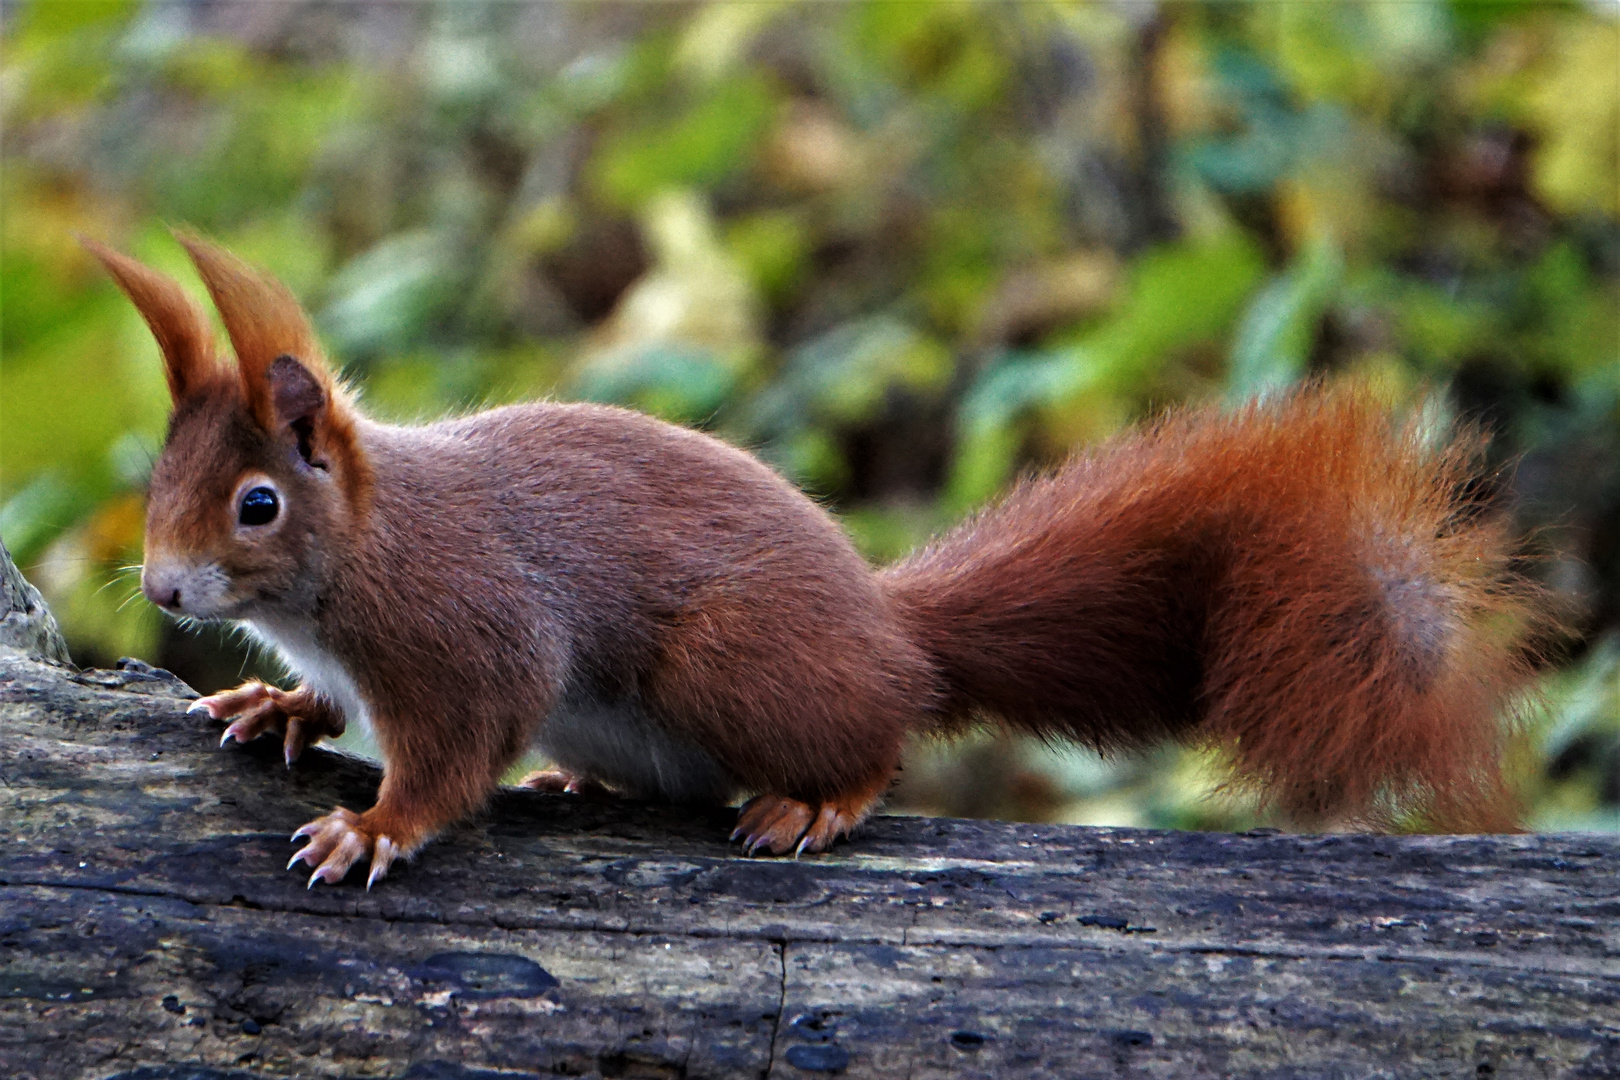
(1305, 582)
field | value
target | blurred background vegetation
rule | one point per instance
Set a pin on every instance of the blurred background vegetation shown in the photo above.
(902, 250)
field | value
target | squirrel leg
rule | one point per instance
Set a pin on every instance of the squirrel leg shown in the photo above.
(778, 824)
(425, 787)
(562, 782)
(301, 717)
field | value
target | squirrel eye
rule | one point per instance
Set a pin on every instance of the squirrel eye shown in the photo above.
(259, 507)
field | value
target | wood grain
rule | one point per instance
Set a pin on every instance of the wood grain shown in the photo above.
(148, 930)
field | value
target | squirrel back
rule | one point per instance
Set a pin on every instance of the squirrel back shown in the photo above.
(1305, 582)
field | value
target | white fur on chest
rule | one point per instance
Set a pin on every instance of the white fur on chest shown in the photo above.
(314, 667)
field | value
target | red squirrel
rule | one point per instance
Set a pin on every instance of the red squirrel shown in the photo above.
(1305, 582)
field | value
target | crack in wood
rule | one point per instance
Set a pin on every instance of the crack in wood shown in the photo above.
(781, 1005)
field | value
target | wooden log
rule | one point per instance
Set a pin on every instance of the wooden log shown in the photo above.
(148, 929)
(26, 624)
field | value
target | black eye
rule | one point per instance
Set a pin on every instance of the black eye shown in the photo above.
(259, 507)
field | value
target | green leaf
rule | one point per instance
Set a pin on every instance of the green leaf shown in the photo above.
(1273, 342)
(34, 516)
(674, 381)
(386, 298)
(1178, 296)
(713, 138)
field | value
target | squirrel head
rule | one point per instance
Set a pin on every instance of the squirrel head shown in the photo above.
(262, 472)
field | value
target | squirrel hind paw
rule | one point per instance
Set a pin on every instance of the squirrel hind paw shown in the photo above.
(778, 825)
(561, 782)
(771, 823)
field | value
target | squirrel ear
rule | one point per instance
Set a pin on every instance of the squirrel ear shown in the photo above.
(296, 393)
(299, 401)
(264, 322)
(178, 324)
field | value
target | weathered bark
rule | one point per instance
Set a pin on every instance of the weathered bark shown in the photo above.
(147, 929)
(26, 624)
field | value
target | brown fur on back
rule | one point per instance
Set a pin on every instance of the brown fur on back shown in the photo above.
(549, 550)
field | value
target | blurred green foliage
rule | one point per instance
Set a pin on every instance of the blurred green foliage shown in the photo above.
(902, 250)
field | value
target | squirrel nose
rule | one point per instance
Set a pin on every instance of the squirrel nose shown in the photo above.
(160, 589)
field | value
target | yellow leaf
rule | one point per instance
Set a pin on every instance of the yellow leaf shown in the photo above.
(1577, 113)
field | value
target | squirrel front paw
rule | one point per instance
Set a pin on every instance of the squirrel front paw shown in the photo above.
(338, 841)
(299, 716)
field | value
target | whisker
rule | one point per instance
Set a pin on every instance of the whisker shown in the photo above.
(105, 585)
(133, 595)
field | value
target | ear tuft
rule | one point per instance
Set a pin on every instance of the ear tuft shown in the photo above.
(179, 325)
(263, 319)
(285, 381)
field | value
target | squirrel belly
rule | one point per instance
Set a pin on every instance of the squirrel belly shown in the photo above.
(1304, 583)
(617, 744)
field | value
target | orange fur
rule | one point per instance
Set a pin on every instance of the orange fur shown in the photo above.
(1303, 582)
(263, 319)
(180, 327)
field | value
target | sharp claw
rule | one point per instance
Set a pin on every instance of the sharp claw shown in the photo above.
(307, 829)
(799, 850)
(382, 856)
(200, 705)
(298, 856)
(294, 742)
(313, 878)
(225, 738)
